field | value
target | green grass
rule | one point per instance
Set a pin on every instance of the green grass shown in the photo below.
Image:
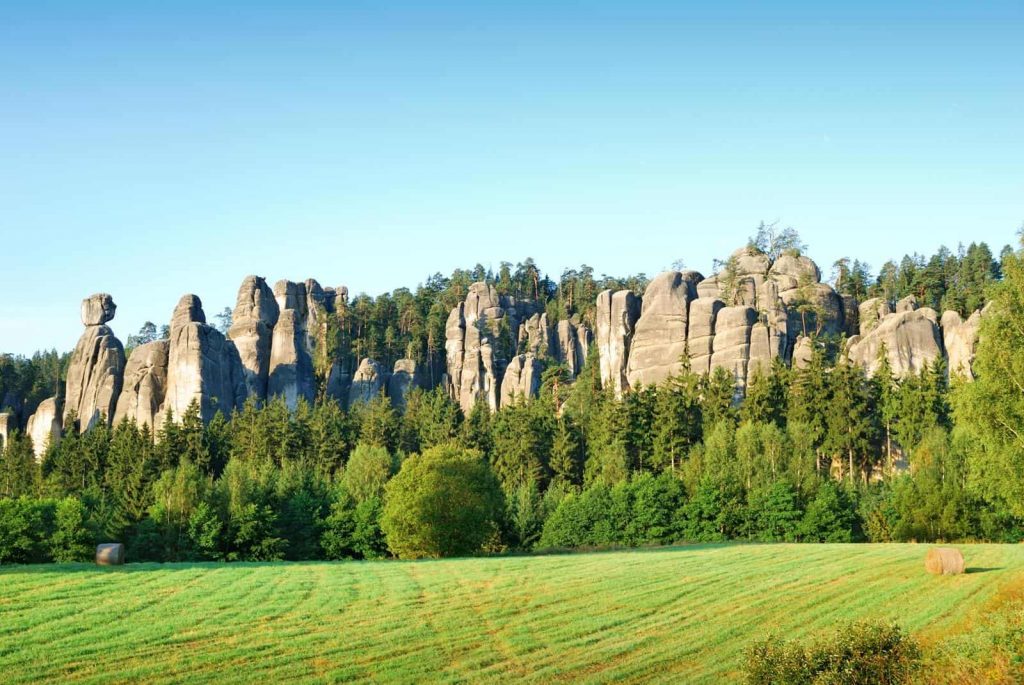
(680, 614)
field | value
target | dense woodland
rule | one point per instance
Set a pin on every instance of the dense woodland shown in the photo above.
(820, 453)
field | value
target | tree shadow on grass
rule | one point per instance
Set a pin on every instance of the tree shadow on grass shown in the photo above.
(981, 569)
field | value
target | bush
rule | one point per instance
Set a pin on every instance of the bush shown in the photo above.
(445, 502)
(868, 653)
(26, 525)
(71, 540)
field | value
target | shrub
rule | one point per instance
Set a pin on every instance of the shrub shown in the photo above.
(71, 540)
(868, 653)
(444, 502)
(26, 525)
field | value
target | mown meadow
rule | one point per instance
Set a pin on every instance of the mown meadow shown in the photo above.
(674, 614)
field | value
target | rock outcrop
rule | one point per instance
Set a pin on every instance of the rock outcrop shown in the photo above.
(96, 369)
(701, 333)
(521, 380)
(572, 345)
(252, 331)
(960, 338)
(911, 340)
(44, 427)
(617, 314)
(368, 382)
(145, 384)
(8, 424)
(659, 339)
(203, 365)
(290, 365)
(731, 348)
(404, 377)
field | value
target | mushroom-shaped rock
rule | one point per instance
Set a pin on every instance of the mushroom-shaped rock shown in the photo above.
(44, 427)
(368, 382)
(750, 261)
(617, 314)
(98, 309)
(911, 341)
(252, 331)
(145, 384)
(659, 339)
(96, 370)
(802, 270)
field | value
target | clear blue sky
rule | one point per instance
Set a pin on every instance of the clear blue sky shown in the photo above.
(148, 151)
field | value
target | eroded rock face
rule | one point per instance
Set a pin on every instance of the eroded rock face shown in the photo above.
(404, 378)
(368, 382)
(571, 345)
(803, 352)
(659, 338)
(813, 309)
(98, 309)
(732, 343)
(800, 269)
(290, 367)
(907, 304)
(96, 369)
(911, 340)
(145, 384)
(44, 427)
(203, 365)
(252, 331)
(871, 314)
(521, 380)
(960, 338)
(703, 316)
(617, 314)
(8, 424)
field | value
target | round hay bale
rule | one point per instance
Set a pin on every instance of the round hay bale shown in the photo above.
(110, 554)
(944, 561)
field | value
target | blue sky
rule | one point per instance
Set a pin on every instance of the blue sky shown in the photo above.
(150, 151)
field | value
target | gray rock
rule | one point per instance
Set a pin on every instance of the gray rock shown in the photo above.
(203, 365)
(911, 340)
(145, 384)
(521, 380)
(709, 288)
(369, 382)
(94, 378)
(291, 368)
(98, 309)
(535, 336)
(252, 331)
(799, 269)
(851, 315)
(405, 377)
(731, 346)
(571, 345)
(701, 333)
(617, 314)
(813, 309)
(803, 352)
(44, 427)
(767, 344)
(8, 424)
(960, 338)
(872, 312)
(749, 262)
(907, 304)
(659, 338)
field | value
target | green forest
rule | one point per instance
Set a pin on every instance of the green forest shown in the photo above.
(797, 460)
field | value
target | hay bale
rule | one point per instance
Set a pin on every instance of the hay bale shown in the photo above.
(110, 554)
(944, 561)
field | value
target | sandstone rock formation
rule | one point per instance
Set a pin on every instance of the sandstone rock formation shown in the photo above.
(617, 314)
(571, 345)
(659, 338)
(96, 369)
(203, 365)
(911, 340)
(8, 424)
(44, 427)
(145, 384)
(252, 331)
(521, 380)
(731, 348)
(368, 382)
(701, 333)
(404, 378)
(290, 365)
(871, 314)
(480, 335)
(960, 338)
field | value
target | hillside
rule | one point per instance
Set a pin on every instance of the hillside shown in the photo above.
(656, 615)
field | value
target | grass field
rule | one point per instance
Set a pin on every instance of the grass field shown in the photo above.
(680, 614)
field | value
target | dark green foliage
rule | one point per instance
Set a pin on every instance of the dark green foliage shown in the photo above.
(26, 526)
(774, 513)
(831, 516)
(865, 653)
